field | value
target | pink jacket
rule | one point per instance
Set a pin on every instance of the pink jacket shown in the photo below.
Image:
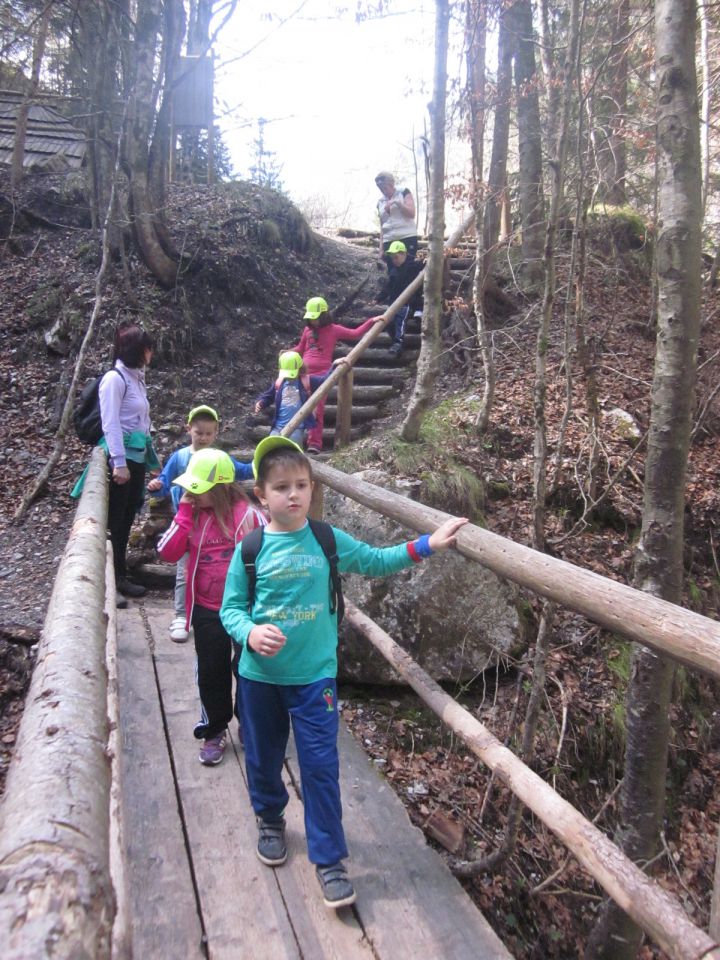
(317, 344)
(210, 550)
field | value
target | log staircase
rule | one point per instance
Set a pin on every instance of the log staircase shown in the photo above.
(379, 378)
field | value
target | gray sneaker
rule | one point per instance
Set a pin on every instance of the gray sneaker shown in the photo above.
(271, 846)
(337, 889)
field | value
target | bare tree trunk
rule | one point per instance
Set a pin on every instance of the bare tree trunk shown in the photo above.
(432, 290)
(659, 560)
(705, 103)
(610, 112)
(18, 155)
(99, 34)
(162, 141)
(475, 39)
(532, 213)
(575, 315)
(548, 40)
(143, 208)
(497, 174)
(558, 187)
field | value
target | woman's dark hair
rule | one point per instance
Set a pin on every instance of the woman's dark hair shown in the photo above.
(131, 342)
(285, 456)
(324, 320)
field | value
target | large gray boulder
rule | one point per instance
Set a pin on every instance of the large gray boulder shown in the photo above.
(453, 616)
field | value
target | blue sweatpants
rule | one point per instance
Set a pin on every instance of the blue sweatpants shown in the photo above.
(267, 710)
(396, 327)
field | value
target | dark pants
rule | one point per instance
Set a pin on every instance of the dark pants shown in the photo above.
(267, 710)
(213, 647)
(396, 327)
(124, 501)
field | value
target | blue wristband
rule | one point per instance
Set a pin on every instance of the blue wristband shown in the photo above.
(422, 546)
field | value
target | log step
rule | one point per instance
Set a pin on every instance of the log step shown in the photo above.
(263, 430)
(367, 394)
(380, 375)
(359, 414)
(379, 357)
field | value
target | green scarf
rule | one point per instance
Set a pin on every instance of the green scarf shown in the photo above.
(138, 448)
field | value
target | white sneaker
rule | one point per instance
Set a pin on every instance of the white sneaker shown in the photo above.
(178, 633)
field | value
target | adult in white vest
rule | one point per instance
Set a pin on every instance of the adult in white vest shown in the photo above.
(396, 211)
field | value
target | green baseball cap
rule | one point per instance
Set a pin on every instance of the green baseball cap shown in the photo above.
(397, 246)
(314, 307)
(205, 469)
(203, 409)
(268, 444)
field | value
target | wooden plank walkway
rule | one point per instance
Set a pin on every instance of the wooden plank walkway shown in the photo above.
(194, 885)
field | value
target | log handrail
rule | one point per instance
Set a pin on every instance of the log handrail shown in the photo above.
(655, 910)
(55, 884)
(361, 346)
(673, 631)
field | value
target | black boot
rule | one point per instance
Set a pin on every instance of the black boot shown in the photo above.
(129, 589)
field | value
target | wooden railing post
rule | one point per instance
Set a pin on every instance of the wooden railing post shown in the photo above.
(343, 419)
(56, 896)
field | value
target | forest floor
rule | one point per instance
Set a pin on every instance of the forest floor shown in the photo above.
(218, 336)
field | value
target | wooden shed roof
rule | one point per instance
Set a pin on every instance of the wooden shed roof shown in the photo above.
(50, 137)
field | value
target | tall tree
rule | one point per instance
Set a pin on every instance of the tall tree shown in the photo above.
(475, 42)
(532, 213)
(609, 106)
(659, 559)
(557, 168)
(143, 86)
(432, 289)
(497, 172)
(39, 40)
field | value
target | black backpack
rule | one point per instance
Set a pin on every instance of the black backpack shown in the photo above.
(86, 416)
(251, 545)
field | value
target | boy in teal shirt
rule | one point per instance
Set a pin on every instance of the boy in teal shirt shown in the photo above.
(288, 661)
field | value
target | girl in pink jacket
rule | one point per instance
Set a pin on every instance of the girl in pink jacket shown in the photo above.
(316, 347)
(212, 517)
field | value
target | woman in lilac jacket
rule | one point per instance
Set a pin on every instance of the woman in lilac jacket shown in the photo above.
(125, 415)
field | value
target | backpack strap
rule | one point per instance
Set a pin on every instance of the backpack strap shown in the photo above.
(324, 535)
(250, 547)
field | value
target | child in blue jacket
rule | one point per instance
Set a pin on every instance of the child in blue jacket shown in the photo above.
(288, 659)
(289, 392)
(202, 425)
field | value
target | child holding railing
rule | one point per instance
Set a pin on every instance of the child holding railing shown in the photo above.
(316, 346)
(283, 616)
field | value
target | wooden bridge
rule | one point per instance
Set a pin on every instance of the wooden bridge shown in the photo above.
(192, 884)
(116, 843)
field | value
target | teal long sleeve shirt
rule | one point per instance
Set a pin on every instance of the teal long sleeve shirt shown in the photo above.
(292, 592)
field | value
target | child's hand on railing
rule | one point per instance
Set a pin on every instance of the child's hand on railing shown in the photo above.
(446, 535)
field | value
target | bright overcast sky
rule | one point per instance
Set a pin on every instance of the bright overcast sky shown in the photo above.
(342, 99)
